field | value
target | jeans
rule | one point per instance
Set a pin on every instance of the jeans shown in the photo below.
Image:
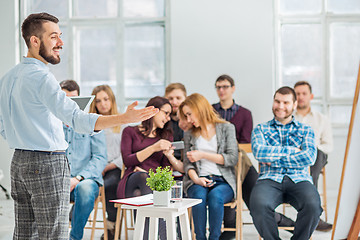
(84, 195)
(214, 197)
(268, 194)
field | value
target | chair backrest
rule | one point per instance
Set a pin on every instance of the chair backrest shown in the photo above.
(247, 149)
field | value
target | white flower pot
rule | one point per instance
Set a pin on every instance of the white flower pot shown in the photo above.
(161, 198)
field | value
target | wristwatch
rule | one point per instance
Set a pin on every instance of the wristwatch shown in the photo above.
(80, 178)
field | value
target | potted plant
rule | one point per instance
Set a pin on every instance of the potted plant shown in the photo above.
(161, 182)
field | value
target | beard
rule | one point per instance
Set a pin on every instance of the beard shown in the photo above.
(286, 116)
(50, 59)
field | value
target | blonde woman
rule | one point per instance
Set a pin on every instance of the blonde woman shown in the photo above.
(105, 104)
(211, 154)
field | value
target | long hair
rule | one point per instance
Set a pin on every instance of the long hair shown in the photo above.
(113, 109)
(147, 125)
(203, 110)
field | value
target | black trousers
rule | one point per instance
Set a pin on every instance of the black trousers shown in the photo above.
(111, 181)
(321, 161)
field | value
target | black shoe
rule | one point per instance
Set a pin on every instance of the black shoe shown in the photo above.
(227, 235)
(110, 233)
(285, 222)
(324, 226)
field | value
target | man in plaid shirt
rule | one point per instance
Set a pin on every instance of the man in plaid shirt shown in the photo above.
(285, 149)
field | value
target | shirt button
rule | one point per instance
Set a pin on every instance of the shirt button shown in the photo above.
(69, 142)
(69, 153)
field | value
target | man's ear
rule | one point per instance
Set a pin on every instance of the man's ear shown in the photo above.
(312, 96)
(35, 41)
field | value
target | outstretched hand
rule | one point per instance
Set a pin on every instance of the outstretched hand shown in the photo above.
(138, 115)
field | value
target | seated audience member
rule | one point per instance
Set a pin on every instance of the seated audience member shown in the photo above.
(146, 147)
(242, 119)
(105, 104)
(176, 94)
(285, 149)
(87, 158)
(211, 152)
(323, 134)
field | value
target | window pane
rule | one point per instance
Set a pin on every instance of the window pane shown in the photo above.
(96, 8)
(54, 7)
(144, 61)
(301, 55)
(344, 58)
(340, 114)
(97, 57)
(61, 70)
(344, 6)
(144, 8)
(300, 7)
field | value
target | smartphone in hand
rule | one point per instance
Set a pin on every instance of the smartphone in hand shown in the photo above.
(210, 184)
(178, 145)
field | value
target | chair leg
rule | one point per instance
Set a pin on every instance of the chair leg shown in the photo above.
(193, 236)
(94, 218)
(324, 194)
(125, 224)
(104, 213)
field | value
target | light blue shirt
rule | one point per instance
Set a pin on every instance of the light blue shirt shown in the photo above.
(86, 153)
(33, 107)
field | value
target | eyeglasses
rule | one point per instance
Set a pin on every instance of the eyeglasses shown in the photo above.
(167, 114)
(222, 87)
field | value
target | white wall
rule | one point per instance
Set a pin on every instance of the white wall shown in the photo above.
(211, 37)
(9, 57)
(208, 38)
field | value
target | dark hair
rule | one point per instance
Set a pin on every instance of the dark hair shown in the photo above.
(70, 85)
(164, 132)
(301, 83)
(285, 91)
(33, 25)
(227, 78)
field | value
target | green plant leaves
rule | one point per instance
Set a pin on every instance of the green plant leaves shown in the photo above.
(161, 180)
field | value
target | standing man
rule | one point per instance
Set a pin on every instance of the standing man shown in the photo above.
(323, 134)
(87, 158)
(32, 110)
(285, 149)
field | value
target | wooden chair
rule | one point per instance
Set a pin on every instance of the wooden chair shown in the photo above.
(323, 193)
(237, 202)
(93, 221)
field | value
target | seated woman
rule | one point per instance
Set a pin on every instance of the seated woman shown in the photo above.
(146, 147)
(105, 104)
(211, 154)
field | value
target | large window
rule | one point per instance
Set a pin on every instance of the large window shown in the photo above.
(122, 43)
(318, 41)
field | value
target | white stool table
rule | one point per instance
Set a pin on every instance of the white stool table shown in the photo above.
(170, 213)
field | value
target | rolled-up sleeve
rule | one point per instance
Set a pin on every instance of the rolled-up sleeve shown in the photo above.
(187, 147)
(231, 153)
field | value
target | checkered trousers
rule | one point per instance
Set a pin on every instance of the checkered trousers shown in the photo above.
(40, 187)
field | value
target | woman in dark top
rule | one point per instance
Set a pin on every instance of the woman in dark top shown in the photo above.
(146, 147)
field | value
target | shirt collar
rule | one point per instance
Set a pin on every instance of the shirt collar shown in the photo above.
(276, 122)
(232, 108)
(30, 60)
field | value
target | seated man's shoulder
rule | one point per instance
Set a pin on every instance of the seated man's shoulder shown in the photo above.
(244, 110)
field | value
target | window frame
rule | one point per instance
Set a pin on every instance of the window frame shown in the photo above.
(325, 19)
(120, 23)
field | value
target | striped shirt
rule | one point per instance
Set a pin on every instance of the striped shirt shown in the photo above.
(227, 114)
(275, 143)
